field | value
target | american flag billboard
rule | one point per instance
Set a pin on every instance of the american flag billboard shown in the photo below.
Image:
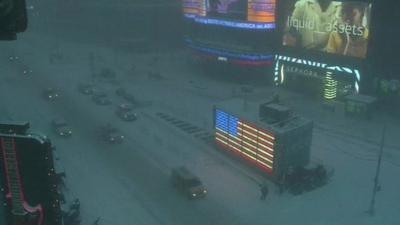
(245, 139)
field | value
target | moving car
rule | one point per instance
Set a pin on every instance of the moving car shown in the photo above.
(61, 128)
(187, 183)
(51, 94)
(86, 89)
(125, 112)
(108, 73)
(100, 97)
(121, 92)
(111, 135)
(101, 100)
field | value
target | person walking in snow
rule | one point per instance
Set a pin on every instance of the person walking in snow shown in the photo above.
(96, 222)
(264, 191)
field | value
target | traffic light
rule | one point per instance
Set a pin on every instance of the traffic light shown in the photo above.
(13, 18)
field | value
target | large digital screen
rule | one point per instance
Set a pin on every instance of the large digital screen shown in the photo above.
(227, 9)
(194, 7)
(234, 13)
(328, 26)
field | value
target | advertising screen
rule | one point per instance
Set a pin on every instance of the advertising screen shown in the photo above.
(194, 7)
(328, 26)
(242, 13)
(316, 81)
(261, 11)
(227, 9)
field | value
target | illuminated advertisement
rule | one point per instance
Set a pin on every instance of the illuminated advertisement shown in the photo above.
(194, 7)
(227, 9)
(328, 26)
(316, 78)
(245, 14)
(261, 11)
(245, 139)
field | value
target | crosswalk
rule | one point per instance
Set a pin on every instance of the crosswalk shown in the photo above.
(188, 128)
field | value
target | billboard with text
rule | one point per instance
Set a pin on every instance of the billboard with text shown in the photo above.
(328, 26)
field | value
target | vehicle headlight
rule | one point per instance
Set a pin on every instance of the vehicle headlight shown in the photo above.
(61, 133)
(194, 194)
(205, 191)
(70, 132)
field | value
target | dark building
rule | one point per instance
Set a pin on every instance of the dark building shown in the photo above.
(28, 180)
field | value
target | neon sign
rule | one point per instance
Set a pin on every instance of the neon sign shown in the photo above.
(279, 76)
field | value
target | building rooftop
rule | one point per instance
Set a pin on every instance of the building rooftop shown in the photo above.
(248, 110)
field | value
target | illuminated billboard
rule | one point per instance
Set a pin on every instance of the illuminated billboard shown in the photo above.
(194, 7)
(309, 76)
(328, 26)
(227, 9)
(250, 14)
(261, 11)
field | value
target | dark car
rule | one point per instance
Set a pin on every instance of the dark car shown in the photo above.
(101, 100)
(51, 94)
(126, 115)
(125, 107)
(86, 89)
(108, 73)
(25, 70)
(121, 92)
(125, 112)
(111, 135)
(13, 58)
(61, 128)
(98, 92)
(100, 97)
(187, 183)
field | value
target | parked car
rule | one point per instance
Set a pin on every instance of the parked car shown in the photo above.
(61, 128)
(51, 94)
(187, 183)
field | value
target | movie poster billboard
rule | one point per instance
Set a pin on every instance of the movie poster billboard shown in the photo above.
(328, 26)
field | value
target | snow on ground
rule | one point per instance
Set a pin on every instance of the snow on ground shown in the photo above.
(129, 184)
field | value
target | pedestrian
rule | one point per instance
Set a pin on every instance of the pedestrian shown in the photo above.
(96, 222)
(281, 184)
(75, 205)
(264, 191)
